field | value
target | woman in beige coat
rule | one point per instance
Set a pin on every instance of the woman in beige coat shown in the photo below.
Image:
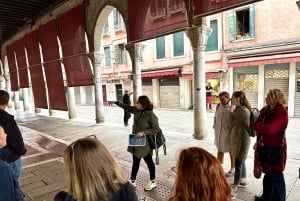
(240, 140)
(222, 130)
(145, 122)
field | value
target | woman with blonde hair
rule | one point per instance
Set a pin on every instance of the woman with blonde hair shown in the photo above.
(94, 175)
(270, 127)
(200, 177)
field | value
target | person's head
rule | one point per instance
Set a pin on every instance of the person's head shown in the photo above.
(4, 97)
(239, 98)
(2, 137)
(275, 97)
(199, 177)
(126, 92)
(91, 170)
(224, 97)
(144, 102)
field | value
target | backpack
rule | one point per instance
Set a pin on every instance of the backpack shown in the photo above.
(254, 113)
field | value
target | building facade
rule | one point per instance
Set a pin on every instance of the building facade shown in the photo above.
(251, 48)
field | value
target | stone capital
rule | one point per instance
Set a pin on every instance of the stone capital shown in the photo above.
(198, 36)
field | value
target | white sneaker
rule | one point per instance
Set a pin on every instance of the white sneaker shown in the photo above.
(133, 182)
(150, 186)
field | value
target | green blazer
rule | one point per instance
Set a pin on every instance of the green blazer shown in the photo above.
(144, 121)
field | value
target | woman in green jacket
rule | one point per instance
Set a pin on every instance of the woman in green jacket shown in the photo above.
(145, 122)
(239, 118)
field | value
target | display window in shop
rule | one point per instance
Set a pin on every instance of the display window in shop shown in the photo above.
(215, 84)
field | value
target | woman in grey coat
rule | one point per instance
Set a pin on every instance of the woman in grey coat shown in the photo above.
(240, 140)
(145, 122)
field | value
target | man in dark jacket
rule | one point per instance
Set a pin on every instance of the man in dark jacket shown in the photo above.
(15, 147)
(126, 100)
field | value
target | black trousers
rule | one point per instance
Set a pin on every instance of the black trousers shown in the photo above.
(127, 115)
(273, 186)
(136, 165)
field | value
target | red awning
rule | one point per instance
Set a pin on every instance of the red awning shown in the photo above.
(160, 73)
(262, 60)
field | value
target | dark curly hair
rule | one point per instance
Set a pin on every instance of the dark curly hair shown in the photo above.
(145, 102)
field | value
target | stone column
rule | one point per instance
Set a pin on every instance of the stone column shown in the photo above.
(16, 100)
(8, 88)
(96, 58)
(2, 82)
(155, 92)
(25, 99)
(135, 52)
(71, 103)
(198, 36)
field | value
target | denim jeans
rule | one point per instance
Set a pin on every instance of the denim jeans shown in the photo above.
(273, 186)
(240, 171)
(16, 166)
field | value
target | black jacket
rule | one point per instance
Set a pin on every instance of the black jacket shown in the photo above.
(126, 99)
(126, 193)
(15, 145)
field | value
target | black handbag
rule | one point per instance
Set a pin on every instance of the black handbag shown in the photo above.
(155, 142)
(270, 155)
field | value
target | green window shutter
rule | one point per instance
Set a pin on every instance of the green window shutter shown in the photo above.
(106, 24)
(178, 44)
(117, 54)
(252, 21)
(212, 43)
(160, 48)
(232, 26)
(124, 54)
(107, 56)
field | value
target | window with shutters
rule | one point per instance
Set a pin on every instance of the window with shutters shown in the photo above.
(106, 28)
(160, 48)
(158, 8)
(212, 43)
(178, 44)
(120, 54)
(107, 56)
(176, 6)
(242, 24)
(118, 21)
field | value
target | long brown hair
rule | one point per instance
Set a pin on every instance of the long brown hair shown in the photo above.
(91, 170)
(200, 177)
(243, 99)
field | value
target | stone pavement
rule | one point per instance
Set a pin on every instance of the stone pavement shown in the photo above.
(46, 137)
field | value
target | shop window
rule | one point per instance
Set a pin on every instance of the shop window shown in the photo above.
(120, 54)
(241, 24)
(270, 74)
(107, 56)
(247, 82)
(298, 80)
(178, 44)
(160, 48)
(212, 43)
